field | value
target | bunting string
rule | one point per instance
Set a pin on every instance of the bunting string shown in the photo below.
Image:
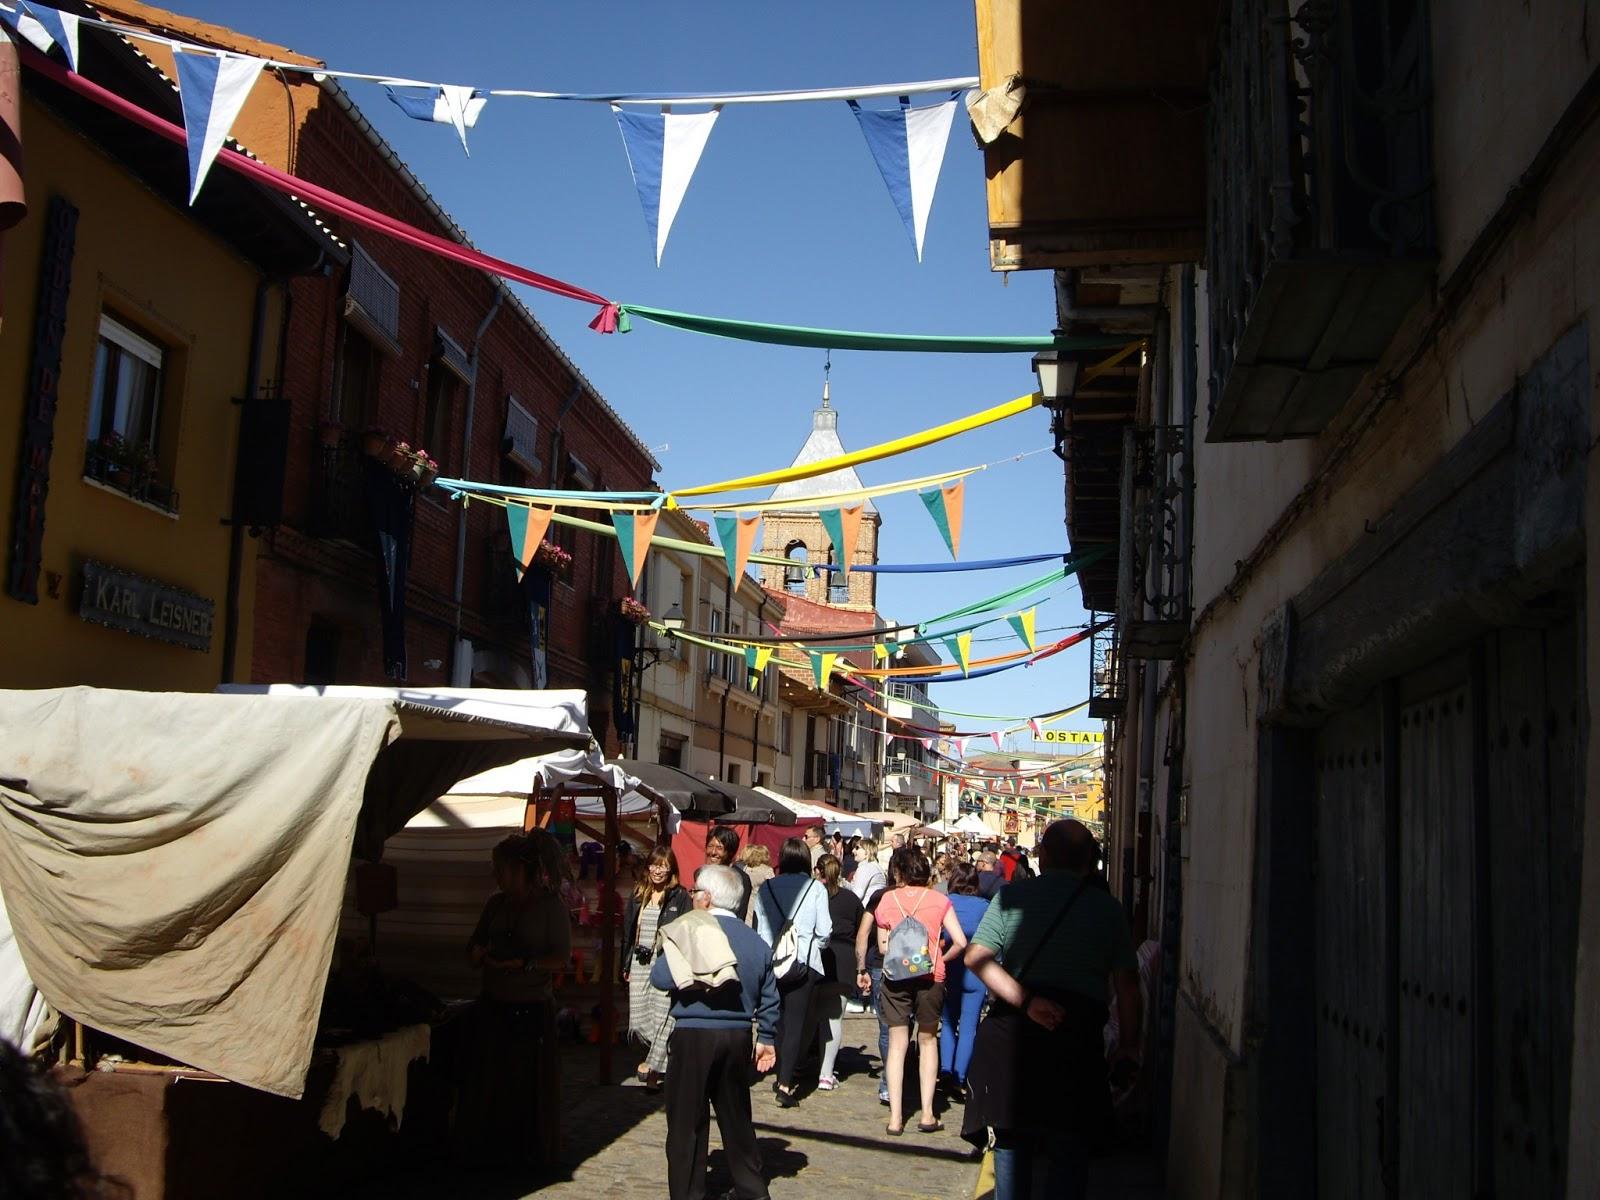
(606, 320)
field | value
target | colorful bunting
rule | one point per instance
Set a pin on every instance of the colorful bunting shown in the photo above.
(634, 531)
(844, 527)
(527, 526)
(944, 505)
(213, 88)
(1033, 725)
(448, 104)
(821, 668)
(880, 653)
(961, 747)
(46, 27)
(755, 662)
(1022, 623)
(908, 146)
(996, 735)
(663, 150)
(737, 536)
(960, 648)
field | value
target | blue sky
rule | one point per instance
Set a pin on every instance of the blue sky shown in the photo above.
(787, 220)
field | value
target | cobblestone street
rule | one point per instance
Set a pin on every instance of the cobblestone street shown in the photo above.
(833, 1144)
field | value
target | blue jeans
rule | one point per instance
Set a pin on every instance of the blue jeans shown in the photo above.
(876, 975)
(1066, 1166)
(960, 1029)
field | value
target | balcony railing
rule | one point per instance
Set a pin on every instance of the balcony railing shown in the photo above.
(140, 481)
(1321, 228)
(1106, 697)
(338, 493)
(1153, 586)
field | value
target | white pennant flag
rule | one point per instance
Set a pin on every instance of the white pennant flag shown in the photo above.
(663, 150)
(213, 88)
(448, 104)
(908, 145)
(46, 27)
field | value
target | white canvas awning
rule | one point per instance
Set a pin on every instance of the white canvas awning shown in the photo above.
(172, 864)
(489, 797)
(834, 819)
(973, 824)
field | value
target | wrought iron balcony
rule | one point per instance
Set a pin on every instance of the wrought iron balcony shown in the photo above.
(1107, 698)
(338, 493)
(1153, 585)
(1321, 228)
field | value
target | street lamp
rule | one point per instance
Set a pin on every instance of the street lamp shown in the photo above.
(1058, 376)
(672, 621)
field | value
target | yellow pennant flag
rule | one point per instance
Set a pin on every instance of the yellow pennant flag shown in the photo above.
(960, 648)
(1022, 625)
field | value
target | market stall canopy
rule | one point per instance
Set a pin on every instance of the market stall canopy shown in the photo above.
(894, 822)
(835, 820)
(498, 796)
(173, 864)
(441, 745)
(973, 824)
(692, 795)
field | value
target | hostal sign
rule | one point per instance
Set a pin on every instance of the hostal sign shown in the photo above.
(122, 600)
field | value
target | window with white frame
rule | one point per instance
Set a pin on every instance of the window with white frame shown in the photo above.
(715, 659)
(126, 401)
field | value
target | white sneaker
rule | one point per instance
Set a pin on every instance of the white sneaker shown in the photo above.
(827, 1083)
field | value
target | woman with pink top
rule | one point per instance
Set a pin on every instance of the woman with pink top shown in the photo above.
(912, 989)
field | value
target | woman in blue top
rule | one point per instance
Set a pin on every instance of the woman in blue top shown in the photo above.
(794, 900)
(963, 991)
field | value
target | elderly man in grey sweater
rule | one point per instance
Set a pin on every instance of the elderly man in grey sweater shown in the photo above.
(710, 1051)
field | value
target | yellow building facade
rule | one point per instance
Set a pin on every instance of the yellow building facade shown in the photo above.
(134, 327)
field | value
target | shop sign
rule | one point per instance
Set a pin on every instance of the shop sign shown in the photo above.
(1080, 737)
(122, 600)
(1013, 823)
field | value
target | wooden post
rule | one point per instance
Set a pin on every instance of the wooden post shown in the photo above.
(608, 937)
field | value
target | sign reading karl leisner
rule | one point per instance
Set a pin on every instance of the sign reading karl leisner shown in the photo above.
(122, 600)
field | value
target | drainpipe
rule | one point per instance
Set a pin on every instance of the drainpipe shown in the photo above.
(461, 509)
(722, 725)
(252, 381)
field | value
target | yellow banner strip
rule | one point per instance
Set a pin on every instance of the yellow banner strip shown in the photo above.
(912, 441)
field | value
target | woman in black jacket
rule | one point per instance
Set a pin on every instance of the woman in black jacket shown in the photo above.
(657, 900)
(838, 966)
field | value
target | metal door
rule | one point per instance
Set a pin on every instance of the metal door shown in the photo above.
(1436, 894)
(1351, 931)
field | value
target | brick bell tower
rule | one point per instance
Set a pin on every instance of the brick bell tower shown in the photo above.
(798, 535)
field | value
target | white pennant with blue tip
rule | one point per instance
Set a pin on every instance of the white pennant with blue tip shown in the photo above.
(46, 27)
(663, 150)
(213, 88)
(448, 104)
(908, 146)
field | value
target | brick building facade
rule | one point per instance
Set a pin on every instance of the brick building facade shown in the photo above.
(449, 360)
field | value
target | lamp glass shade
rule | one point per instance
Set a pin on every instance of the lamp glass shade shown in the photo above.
(673, 619)
(1058, 377)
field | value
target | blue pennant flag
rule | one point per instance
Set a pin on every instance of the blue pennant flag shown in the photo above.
(447, 104)
(908, 146)
(663, 150)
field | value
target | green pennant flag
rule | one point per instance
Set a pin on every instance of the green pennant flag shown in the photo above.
(634, 531)
(844, 527)
(737, 537)
(1022, 623)
(527, 526)
(945, 504)
(755, 662)
(821, 668)
(960, 648)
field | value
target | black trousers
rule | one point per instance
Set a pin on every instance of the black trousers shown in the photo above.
(711, 1067)
(794, 1001)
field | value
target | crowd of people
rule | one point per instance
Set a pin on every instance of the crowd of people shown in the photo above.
(995, 976)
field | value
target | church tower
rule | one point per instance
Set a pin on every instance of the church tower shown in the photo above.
(798, 534)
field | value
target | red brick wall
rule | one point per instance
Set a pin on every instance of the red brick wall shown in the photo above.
(302, 577)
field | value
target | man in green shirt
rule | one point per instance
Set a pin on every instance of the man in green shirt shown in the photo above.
(1047, 949)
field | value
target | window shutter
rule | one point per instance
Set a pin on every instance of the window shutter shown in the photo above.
(372, 304)
(521, 441)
